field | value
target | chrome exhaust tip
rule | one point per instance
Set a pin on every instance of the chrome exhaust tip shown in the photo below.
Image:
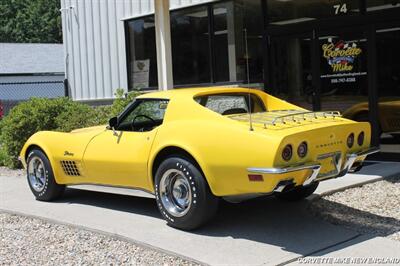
(283, 184)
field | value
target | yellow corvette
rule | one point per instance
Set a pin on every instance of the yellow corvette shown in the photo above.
(388, 110)
(191, 147)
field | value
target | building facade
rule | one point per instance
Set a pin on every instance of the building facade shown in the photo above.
(30, 70)
(95, 43)
(320, 54)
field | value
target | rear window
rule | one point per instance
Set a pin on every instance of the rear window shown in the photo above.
(234, 103)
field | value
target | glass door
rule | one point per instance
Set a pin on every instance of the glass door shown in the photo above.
(290, 68)
(388, 82)
(343, 66)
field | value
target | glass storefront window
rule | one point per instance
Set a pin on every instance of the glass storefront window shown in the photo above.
(231, 19)
(190, 46)
(296, 11)
(191, 49)
(289, 69)
(195, 61)
(224, 42)
(376, 5)
(388, 66)
(142, 53)
(248, 16)
(343, 56)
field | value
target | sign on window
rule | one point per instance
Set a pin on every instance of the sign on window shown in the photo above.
(141, 70)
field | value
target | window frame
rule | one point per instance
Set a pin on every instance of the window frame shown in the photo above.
(211, 48)
(128, 54)
(132, 106)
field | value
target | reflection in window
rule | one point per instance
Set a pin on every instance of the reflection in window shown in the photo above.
(142, 53)
(230, 20)
(194, 60)
(343, 70)
(224, 41)
(190, 46)
(290, 72)
(191, 39)
(376, 5)
(387, 41)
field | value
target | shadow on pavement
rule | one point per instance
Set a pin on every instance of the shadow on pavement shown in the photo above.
(294, 226)
(124, 203)
(358, 220)
(289, 226)
(385, 156)
(388, 170)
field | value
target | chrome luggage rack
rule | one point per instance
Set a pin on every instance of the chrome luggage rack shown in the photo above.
(274, 118)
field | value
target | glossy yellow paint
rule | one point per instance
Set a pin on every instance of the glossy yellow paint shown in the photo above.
(119, 159)
(223, 147)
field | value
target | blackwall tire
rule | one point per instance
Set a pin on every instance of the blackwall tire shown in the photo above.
(297, 193)
(183, 196)
(41, 177)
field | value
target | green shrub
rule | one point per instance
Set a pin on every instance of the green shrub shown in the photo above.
(76, 115)
(61, 114)
(102, 114)
(122, 100)
(38, 114)
(3, 156)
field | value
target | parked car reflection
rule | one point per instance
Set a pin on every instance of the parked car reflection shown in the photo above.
(389, 114)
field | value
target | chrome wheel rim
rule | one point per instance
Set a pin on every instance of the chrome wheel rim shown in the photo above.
(175, 193)
(37, 174)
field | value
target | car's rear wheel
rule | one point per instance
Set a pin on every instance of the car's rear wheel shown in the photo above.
(297, 193)
(183, 195)
(41, 178)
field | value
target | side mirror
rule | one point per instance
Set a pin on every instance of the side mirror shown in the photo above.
(113, 122)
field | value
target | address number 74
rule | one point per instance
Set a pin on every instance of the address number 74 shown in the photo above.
(340, 8)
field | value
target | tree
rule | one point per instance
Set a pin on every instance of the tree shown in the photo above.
(30, 21)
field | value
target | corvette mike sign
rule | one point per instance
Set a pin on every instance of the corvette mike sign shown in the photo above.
(343, 61)
(341, 56)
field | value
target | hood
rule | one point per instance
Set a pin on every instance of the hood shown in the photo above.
(89, 129)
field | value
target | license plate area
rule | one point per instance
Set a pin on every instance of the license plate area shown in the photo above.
(330, 164)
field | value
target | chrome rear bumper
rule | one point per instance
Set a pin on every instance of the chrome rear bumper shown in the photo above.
(315, 167)
(353, 157)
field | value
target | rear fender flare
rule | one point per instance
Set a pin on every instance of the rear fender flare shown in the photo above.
(196, 156)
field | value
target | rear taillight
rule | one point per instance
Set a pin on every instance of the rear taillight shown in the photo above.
(287, 152)
(350, 140)
(360, 138)
(302, 149)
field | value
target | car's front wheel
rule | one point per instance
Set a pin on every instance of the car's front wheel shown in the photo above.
(297, 193)
(183, 195)
(41, 177)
